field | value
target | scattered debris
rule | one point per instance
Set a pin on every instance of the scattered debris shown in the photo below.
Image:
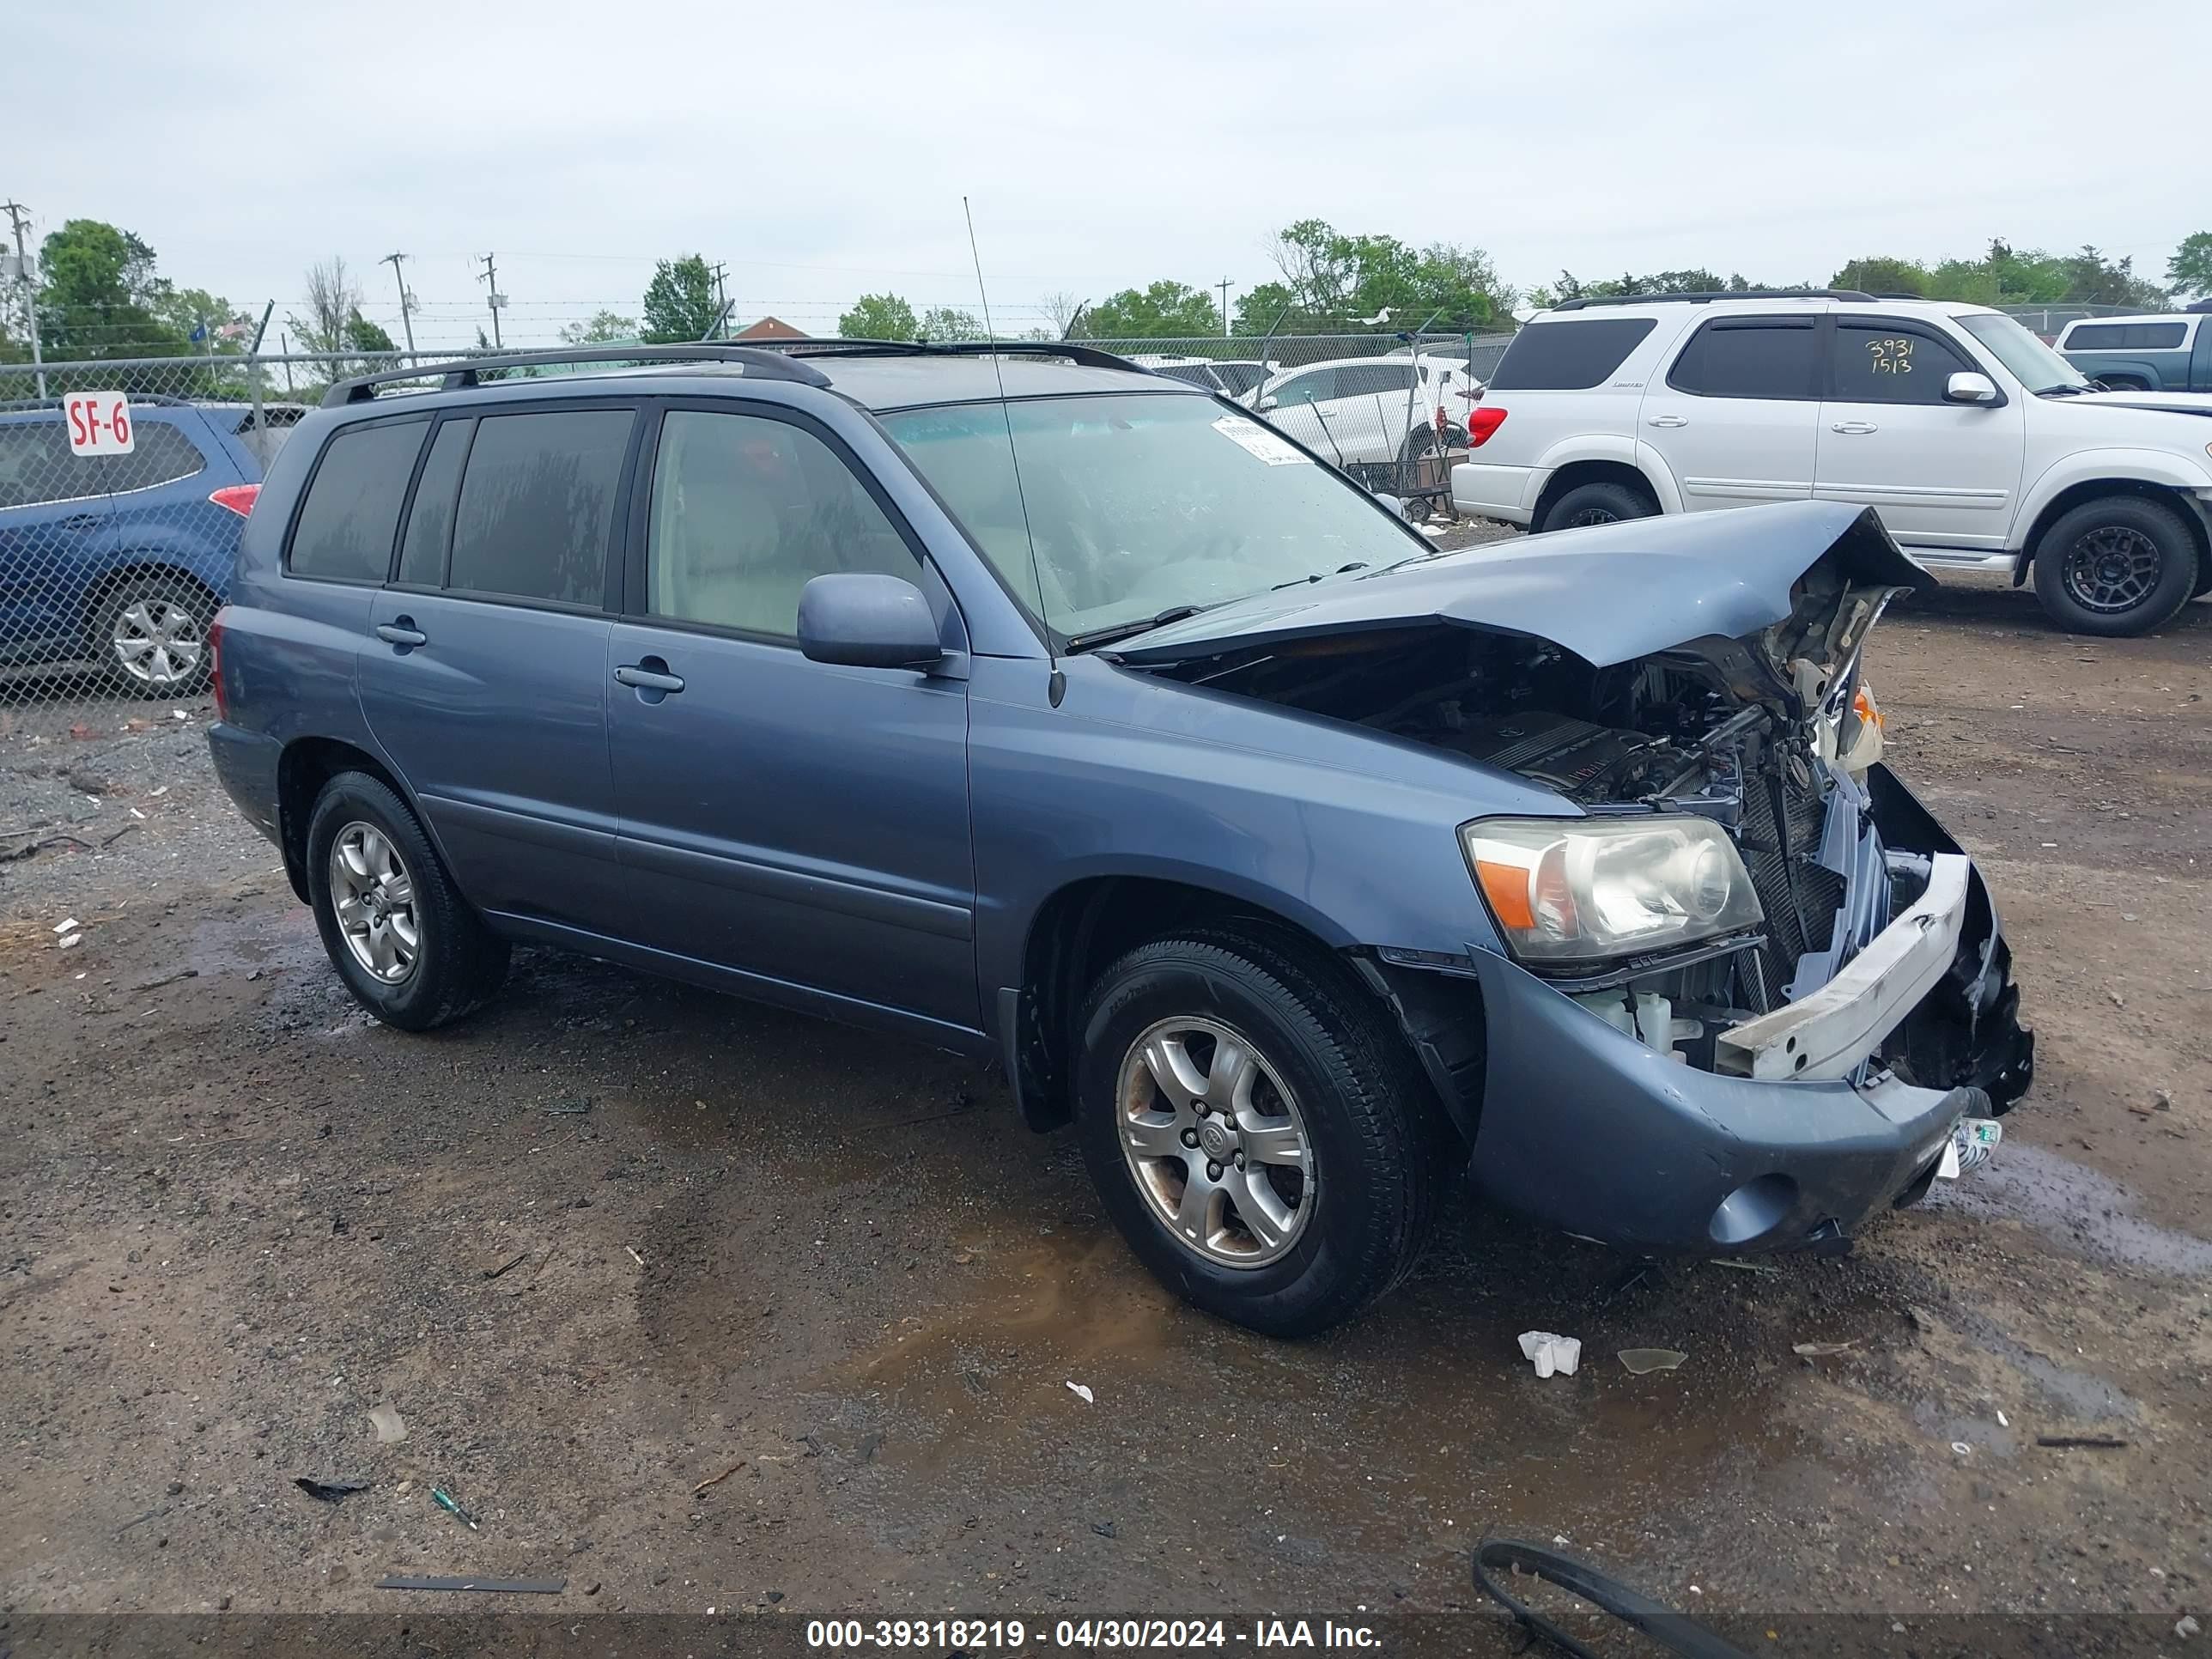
(2081, 1442)
(179, 714)
(633, 1255)
(2186, 1627)
(871, 1444)
(1766, 1267)
(1640, 1361)
(717, 1480)
(329, 1491)
(1822, 1350)
(1081, 1392)
(493, 1586)
(166, 979)
(569, 1106)
(513, 1262)
(69, 926)
(962, 1258)
(1962, 1448)
(2003, 1422)
(390, 1427)
(72, 941)
(444, 1501)
(1105, 1528)
(1552, 1355)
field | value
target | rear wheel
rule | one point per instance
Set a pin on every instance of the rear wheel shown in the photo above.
(149, 632)
(1602, 502)
(1256, 1128)
(407, 945)
(2120, 566)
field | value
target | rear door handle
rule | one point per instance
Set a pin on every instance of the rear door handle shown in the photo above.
(1852, 428)
(1668, 419)
(401, 630)
(650, 675)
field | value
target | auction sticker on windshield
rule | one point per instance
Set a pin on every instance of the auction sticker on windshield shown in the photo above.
(1255, 439)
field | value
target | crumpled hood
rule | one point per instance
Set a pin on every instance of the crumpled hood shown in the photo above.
(1609, 594)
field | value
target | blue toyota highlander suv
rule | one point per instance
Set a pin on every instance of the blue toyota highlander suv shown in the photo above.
(118, 560)
(1045, 709)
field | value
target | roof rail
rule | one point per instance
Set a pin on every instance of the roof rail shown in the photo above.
(1089, 356)
(768, 365)
(20, 405)
(1707, 297)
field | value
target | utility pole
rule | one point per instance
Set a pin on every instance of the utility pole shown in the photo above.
(722, 296)
(406, 300)
(15, 210)
(489, 276)
(1224, 286)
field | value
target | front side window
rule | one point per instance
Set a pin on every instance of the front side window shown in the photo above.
(36, 467)
(1745, 357)
(1877, 363)
(746, 511)
(1375, 380)
(1139, 503)
(537, 505)
(351, 513)
(1315, 387)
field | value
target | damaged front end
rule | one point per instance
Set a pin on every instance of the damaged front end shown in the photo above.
(1751, 989)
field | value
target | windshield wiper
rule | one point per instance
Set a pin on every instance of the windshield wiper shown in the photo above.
(1129, 629)
(1320, 575)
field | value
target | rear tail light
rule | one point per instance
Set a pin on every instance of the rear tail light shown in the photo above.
(1482, 420)
(239, 498)
(215, 650)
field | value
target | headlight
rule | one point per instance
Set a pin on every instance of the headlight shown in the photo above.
(1587, 889)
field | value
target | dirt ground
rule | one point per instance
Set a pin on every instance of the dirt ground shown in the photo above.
(699, 1305)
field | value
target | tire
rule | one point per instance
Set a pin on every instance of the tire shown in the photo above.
(454, 963)
(2116, 566)
(1350, 1212)
(148, 634)
(1598, 503)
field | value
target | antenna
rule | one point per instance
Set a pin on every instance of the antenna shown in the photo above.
(1013, 453)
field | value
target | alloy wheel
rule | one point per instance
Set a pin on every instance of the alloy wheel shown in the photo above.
(2113, 569)
(1216, 1142)
(373, 896)
(158, 643)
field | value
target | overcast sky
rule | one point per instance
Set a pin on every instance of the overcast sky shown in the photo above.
(822, 151)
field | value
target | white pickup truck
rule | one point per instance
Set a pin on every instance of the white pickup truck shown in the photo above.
(1977, 443)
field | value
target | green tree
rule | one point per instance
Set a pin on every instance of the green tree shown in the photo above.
(99, 295)
(679, 302)
(947, 323)
(2092, 279)
(1336, 282)
(1879, 275)
(2190, 270)
(879, 317)
(1165, 309)
(363, 335)
(600, 328)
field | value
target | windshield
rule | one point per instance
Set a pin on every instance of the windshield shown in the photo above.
(1139, 503)
(2036, 364)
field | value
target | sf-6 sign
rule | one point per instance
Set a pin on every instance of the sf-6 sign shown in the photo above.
(99, 423)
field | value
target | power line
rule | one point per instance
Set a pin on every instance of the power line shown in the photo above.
(490, 279)
(406, 299)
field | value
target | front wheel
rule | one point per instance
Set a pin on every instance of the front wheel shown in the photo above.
(1258, 1131)
(1597, 504)
(2116, 566)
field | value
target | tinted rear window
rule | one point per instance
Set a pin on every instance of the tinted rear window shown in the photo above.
(36, 465)
(1734, 358)
(537, 504)
(352, 511)
(1571, 356)
(159, 454)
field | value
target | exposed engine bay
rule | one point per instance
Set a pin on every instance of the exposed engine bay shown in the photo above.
(1773, 740)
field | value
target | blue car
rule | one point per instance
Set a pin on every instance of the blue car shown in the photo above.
(1051, 711)
(119, 561)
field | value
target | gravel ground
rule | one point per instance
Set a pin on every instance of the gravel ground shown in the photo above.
(702, 1305)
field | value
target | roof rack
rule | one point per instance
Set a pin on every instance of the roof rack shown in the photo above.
(1707, 297)
(1089, 356)
(454, 376)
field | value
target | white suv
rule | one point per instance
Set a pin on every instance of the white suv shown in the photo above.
(1368, 410)
(1976, 442)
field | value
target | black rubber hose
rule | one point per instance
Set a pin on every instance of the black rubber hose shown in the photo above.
(1674, 1632)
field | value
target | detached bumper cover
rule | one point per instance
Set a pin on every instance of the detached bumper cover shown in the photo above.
(1584, 1128)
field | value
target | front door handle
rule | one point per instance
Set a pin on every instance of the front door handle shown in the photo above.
(650, 674)
(402, 631)
(1852, 428)
(1668, 419)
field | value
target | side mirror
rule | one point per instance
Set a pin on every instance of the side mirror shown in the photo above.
(1266, 404)
(1969, 387)
(857, 619)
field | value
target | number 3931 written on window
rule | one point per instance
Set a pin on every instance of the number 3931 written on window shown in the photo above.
(99, 423)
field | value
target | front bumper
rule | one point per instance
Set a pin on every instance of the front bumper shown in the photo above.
(1581, 1124)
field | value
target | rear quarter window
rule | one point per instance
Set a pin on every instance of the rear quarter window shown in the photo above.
(160, 454)
(1569, 356)
(351, 513)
